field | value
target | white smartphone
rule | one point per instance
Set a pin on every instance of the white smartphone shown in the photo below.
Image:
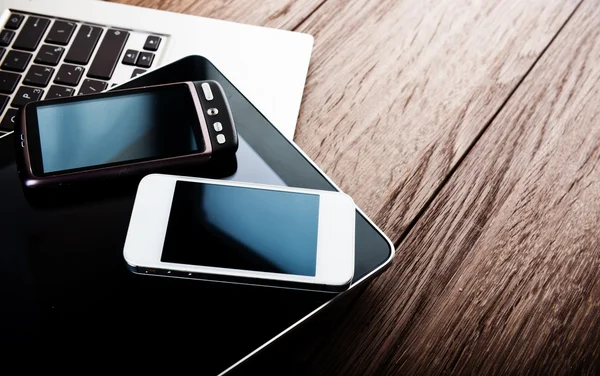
(242, 233)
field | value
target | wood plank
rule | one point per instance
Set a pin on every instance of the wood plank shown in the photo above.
(282, 14)
(398, 90)
(501, 275)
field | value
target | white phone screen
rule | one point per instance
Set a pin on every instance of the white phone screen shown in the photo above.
(242, 228)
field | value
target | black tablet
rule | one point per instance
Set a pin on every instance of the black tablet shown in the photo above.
(63, 281)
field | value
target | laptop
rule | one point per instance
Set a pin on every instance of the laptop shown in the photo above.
(61, 48)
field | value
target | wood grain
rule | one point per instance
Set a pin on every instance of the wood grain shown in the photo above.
(501, 275)
(282, 14)
(398, 90)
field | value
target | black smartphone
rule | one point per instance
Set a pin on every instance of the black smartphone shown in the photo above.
(123, 133)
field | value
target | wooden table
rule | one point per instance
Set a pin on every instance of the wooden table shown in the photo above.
(470, 132)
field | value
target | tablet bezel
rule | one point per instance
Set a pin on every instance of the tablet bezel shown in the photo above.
(268, 139)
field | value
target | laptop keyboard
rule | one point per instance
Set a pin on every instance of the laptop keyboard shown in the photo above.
(45, 57)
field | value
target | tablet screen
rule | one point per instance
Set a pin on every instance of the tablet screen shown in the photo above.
(266, 156)
(64, 275)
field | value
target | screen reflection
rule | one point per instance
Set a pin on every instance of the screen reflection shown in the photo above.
(242, 228)
(154, 124)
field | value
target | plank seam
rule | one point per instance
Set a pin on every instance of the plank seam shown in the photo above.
(453, 170)
(297, 26)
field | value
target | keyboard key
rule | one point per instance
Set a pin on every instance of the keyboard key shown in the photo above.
(25, 95)
(56, 91)
(16, 61)
(9, 120)
(14, 21)
(31, 34)
(92, 87)
(137, 72)
(152, 43)
(38, 76)
(83, 45)
(145, 60)
(8, 82)
(49, 55)
(130, 57)
(2, 51)
(108, 54)
(6, 37)
(69, 75)
(61, 32)
(3, 102)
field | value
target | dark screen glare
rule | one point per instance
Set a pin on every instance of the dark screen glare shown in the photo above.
(242, 228)
(158, 123)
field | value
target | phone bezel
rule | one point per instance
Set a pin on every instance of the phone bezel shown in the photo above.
(31, 137)
(150, 217)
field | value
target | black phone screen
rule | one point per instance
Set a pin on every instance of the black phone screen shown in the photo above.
(117, 128)
(242, 228)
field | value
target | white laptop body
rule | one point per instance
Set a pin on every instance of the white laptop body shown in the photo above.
(268, 66)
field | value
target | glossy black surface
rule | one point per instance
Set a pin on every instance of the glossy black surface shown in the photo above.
(112, 129)
(64, 284)
(242, 228)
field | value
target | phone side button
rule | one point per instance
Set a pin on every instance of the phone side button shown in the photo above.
(221, 138)
(207, 91)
